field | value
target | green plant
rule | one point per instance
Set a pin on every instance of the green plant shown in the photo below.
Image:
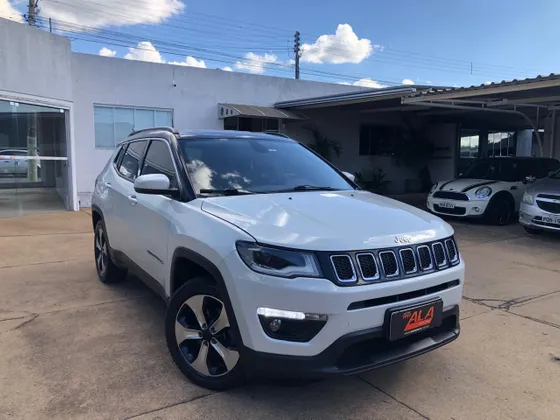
(376, 182)
(323, 145)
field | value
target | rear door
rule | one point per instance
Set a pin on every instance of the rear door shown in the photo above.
(152, 215)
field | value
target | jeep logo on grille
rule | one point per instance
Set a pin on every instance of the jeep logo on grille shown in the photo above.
(403, 239)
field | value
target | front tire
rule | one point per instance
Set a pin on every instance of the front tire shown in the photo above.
(107, 270)
(201, 338)
(500, 211)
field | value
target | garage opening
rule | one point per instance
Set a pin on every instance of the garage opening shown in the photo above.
(34, 176)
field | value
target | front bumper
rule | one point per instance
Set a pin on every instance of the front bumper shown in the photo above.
(349, 310)
(471, 208)
(531, 215)
(356, 352)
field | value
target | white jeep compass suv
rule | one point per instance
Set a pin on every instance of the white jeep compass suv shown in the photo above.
(270, 259)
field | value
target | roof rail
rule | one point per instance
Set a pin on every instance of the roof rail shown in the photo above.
(163, 128)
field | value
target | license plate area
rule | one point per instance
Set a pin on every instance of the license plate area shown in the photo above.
(412, 319)
(447, 205)
(551, 219)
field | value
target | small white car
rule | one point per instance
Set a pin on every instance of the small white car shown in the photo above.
(12, 162)
(271, 260)
(540, 209)
(491, 188)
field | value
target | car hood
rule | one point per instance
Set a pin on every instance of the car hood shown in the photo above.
(464, 184)
(545, 186)
(328, 221)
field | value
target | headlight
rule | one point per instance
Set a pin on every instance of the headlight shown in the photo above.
(528, 198)
(278, 262)
(434, 188)
(483, 192)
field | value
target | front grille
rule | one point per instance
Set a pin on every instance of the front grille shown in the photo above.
(456, 211)
(548, 206)
(439, 254)
(451, 195)
(425, 257)
(368, 266)
(343, 268)
(451, 251)
(408, 260)
(389, 264)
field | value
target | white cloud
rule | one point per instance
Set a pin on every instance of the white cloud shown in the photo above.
(7, 11)
(190, 62)
(144, 51)
(342, 47)
(367, 82)
(227, 68)
(111, 12)
(106, 52)
(408, 82)
(254, 63)
(487, 83)
(344, 83)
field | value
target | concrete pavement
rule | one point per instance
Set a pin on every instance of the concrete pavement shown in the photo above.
(71, 347)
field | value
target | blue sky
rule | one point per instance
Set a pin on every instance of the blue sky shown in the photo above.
(377, 43)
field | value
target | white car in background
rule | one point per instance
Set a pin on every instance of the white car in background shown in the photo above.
(491, 188)
(11, 163)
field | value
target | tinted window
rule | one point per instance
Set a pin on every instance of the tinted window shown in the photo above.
(159, 161)
(495, 169)
(131, 160)
(119, 155)
(256, 165)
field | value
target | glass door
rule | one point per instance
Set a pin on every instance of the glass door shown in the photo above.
(33, 159)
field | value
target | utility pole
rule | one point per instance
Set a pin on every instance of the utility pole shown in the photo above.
(32, 6)
(297, 52)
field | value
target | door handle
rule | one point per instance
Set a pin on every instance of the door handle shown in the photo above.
(132, 199)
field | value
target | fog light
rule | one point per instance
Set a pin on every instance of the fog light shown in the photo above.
(290, 325)
(274, 325)
(476, 209)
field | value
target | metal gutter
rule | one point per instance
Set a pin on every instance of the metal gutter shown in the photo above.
(352, 97)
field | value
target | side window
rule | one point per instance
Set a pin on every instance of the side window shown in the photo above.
(131, 160)
(159, 161)
(119, 155)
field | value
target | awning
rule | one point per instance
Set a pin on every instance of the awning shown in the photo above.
(234, 110)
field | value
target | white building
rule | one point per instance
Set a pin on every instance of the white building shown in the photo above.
(70, 110)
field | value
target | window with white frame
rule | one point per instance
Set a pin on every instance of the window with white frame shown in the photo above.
(114, 124)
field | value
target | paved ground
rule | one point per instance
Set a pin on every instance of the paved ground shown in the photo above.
(71, 347)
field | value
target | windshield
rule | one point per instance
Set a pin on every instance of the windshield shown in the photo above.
(494, 170)
(254, 165)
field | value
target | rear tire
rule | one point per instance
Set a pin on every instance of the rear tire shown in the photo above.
(201, 338)
(532, 231)
(500, 211)
(107, 270)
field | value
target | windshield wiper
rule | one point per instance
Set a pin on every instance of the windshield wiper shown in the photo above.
(226, 191)
(304, 188)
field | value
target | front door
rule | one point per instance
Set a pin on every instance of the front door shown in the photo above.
(152, 215)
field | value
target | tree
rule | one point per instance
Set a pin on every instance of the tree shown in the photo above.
(323, 145)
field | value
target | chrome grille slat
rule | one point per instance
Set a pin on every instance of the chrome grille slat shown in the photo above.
(389, 263)
(452, 252)
(344, 268)
(425, 257)
(368, 266)
(439, 254)
(408, 260)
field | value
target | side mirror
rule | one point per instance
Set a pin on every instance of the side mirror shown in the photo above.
(350, 176)
(154, 184)
(550, 173)
(529, 179)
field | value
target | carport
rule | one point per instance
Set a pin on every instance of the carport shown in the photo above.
(509, 118)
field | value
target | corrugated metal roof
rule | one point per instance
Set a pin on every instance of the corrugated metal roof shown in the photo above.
(240, 110)
(351, 97)
(491, 85)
